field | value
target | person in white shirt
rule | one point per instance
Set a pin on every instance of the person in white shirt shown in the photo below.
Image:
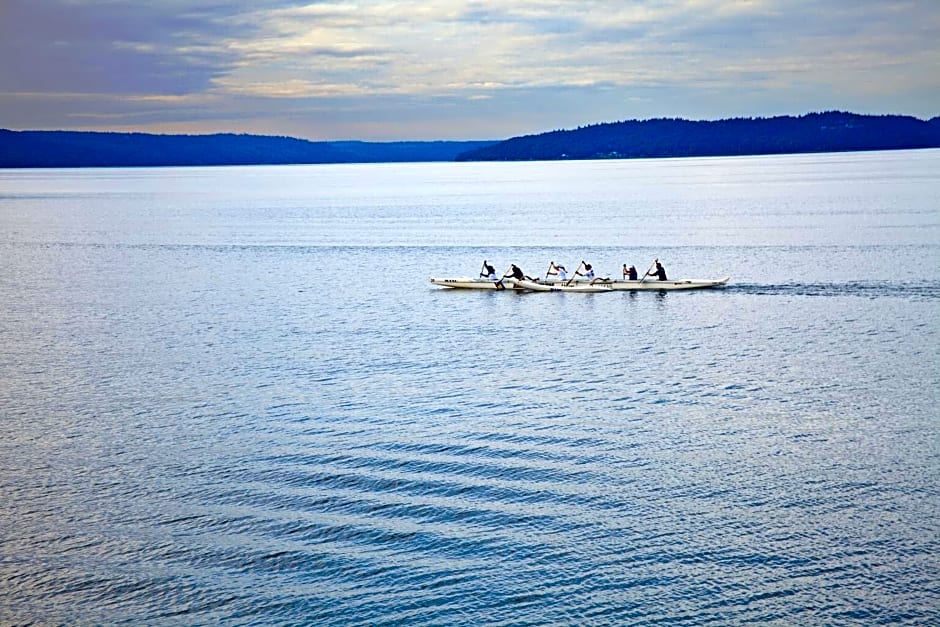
(559, 270)
(589, 274)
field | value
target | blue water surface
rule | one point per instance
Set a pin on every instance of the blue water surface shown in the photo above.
(231, 395)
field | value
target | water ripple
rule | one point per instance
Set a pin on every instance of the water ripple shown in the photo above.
(207, 420)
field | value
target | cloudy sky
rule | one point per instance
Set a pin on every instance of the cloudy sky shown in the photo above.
(455, 69)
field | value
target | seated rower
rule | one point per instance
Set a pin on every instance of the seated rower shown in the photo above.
(559, 270)
(516, 272)
(629, 273)
(659, 272)
(589, 274)
(489, 272)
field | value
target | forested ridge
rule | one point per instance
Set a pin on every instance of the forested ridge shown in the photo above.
(832, 131)
(51, 149)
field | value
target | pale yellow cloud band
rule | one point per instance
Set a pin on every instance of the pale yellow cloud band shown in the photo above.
(471, 48)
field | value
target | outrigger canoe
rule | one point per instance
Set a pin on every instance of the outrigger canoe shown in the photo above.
(653, 284)
(584, 287)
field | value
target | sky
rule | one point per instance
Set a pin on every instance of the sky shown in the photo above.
(455, 69)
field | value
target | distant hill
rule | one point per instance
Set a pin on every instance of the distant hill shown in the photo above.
(57, 149)
(833, 131)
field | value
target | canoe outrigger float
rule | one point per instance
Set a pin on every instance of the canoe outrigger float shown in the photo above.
(516, 285)
(583, 288)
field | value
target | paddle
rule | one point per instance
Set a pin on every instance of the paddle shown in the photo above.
(646, 274)
(483, 269)
(568, 282)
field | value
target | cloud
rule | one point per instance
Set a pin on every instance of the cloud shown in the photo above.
(109, 47)
(341, 65)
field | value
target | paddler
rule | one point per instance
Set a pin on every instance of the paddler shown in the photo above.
(659, 272)
(516, 273)
(589, 274)
(558, 269)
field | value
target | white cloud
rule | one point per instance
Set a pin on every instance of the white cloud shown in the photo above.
(454, 48)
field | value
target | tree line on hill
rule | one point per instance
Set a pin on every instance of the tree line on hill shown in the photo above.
(832, 131)
(57, 149)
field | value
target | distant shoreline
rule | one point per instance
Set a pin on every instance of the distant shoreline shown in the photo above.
(454, 161)
(829, 132)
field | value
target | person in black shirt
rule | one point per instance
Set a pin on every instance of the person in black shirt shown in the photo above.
(659, 272)
(517, 273)
(629, 273)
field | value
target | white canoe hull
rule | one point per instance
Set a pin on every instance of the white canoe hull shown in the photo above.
(467, 283)
(656, 284)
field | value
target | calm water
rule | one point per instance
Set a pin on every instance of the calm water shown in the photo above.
(230, 395)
